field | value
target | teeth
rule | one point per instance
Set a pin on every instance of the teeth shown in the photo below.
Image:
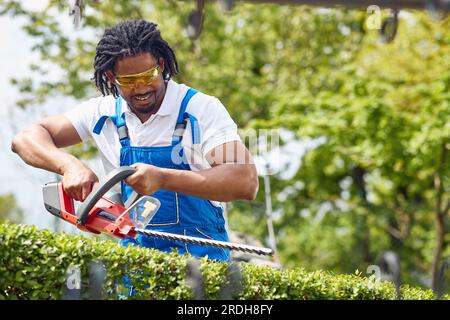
(142, 98)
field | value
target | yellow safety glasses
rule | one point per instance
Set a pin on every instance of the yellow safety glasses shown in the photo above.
(131, 81)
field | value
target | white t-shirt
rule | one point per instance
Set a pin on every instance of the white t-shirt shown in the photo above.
(216, 126)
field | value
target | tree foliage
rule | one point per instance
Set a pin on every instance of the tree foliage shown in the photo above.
(9, 209)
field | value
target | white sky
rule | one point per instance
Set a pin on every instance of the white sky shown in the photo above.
(15, 55)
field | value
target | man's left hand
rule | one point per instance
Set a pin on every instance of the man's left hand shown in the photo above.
(146, 180)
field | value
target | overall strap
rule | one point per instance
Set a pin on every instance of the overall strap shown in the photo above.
(121, 125)
(119, 120)
(181, 121)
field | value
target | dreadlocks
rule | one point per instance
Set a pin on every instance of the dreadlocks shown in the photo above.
(126, 39)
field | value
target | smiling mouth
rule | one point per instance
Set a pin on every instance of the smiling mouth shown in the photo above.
(143, 97)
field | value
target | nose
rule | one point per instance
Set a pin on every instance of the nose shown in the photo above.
(140, 86)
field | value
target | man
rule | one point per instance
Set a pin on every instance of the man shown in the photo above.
(182, 143)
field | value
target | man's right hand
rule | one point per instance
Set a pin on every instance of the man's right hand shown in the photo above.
(78, 181)
(40, 146)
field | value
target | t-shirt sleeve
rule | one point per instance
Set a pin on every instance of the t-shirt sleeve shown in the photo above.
(217, 127)
(82, 117)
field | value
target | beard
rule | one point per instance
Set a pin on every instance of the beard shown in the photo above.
(149, 105)
(146, 107)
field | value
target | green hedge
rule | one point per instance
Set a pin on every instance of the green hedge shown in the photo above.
(34, 265)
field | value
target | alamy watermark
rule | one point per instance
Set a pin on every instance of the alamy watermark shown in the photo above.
(373, 21)
(375, 271)
(73, 281)
(262, 143)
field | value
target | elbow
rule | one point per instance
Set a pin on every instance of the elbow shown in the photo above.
(246, 180)
(21, 141)
(251, 193)
(16, 142)
(252, 186)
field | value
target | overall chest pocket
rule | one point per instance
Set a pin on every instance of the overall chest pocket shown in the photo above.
(169, 212)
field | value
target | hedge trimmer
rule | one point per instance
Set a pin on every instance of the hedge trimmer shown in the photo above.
(101, 214)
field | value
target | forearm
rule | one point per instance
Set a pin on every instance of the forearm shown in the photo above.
(226, 182)
(36, 148)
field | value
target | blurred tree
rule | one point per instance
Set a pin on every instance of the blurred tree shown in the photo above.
(385, 166)
(9, 209)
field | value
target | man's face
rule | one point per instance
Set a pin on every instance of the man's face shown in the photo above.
(143, 98)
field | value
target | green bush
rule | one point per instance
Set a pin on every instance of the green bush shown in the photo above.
(34, 265)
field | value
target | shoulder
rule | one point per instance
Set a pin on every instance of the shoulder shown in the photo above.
(104, 105)
(203, 105)
(208, 109)
(86, 114)
(93, 107)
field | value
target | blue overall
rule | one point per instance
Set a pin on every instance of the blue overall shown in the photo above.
(179, 213)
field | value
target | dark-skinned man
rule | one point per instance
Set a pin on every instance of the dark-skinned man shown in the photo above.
(183, 143)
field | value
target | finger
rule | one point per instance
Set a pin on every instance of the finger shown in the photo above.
(73, 194)
(95, 185)
(85, 191)
(136, 165)
(130, 180)
(70, 191)
(79, 194)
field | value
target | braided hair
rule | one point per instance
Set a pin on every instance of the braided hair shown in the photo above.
(126, 39)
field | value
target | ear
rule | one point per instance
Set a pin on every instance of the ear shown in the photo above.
(161, 63)
(109, 74)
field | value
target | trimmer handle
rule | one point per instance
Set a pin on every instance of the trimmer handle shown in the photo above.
(104, 186)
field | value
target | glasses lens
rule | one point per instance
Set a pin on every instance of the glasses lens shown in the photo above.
(146, 77)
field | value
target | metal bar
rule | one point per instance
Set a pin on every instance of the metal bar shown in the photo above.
(273, 242)
(206, 242)
(397, 4)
